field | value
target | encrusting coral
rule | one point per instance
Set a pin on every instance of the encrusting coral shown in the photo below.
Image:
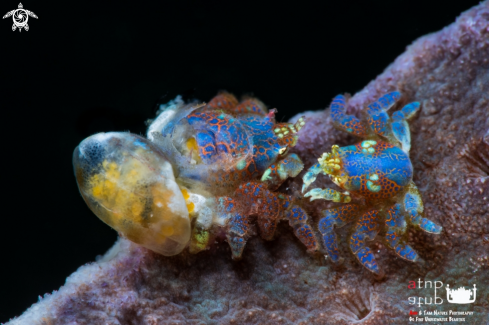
(276, 282)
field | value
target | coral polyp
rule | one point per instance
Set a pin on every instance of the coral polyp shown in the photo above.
(378, 173)
(204, 169)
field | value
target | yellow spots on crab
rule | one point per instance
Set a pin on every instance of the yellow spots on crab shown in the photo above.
(367, 146)
(368, 143)
(341, 197)
(371, 185)
(330, 161)
(300, 123)
(345, 197)
(241, 164)
(280, 132)
(282, 150)
(266, 175)
(287, 129)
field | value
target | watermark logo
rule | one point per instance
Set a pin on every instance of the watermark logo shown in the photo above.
(20, 17)
(461, 295)
(454, 296)
(430, 305)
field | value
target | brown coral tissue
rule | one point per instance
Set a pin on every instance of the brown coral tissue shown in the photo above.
(277, 282)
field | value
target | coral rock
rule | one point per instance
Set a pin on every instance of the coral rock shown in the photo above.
(277, 282)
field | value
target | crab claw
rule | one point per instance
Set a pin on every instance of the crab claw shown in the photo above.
(310, 176)
(328, 194)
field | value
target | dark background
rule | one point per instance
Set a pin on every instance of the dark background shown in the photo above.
(93, 67)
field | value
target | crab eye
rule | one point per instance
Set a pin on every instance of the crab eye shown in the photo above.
(282, 151)
(130, 186)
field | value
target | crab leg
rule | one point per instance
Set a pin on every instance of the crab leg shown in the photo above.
(298, 220)
(346, 122)
(238, 234)
(339, 217)
(277, 173)
(396, 227)
(256, 198)
(377, 112)
(413, 205)
(287, 132)
(400, 127)
(366, 228)
(328, 194)
(311, 175)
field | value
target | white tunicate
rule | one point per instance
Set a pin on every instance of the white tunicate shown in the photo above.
(128, 183)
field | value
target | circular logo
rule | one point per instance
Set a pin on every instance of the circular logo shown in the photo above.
(20, 17)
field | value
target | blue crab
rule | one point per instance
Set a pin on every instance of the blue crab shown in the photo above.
(203, 170)
(377, 169)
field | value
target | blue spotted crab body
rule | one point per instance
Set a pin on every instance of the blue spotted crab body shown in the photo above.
(203, 170)
(377, 170)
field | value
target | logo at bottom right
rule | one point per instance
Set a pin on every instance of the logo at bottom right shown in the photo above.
(461, 295)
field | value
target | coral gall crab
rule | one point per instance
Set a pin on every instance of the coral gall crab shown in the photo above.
(377, 170)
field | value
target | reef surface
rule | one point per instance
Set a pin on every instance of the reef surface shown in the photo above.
(277, 282)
